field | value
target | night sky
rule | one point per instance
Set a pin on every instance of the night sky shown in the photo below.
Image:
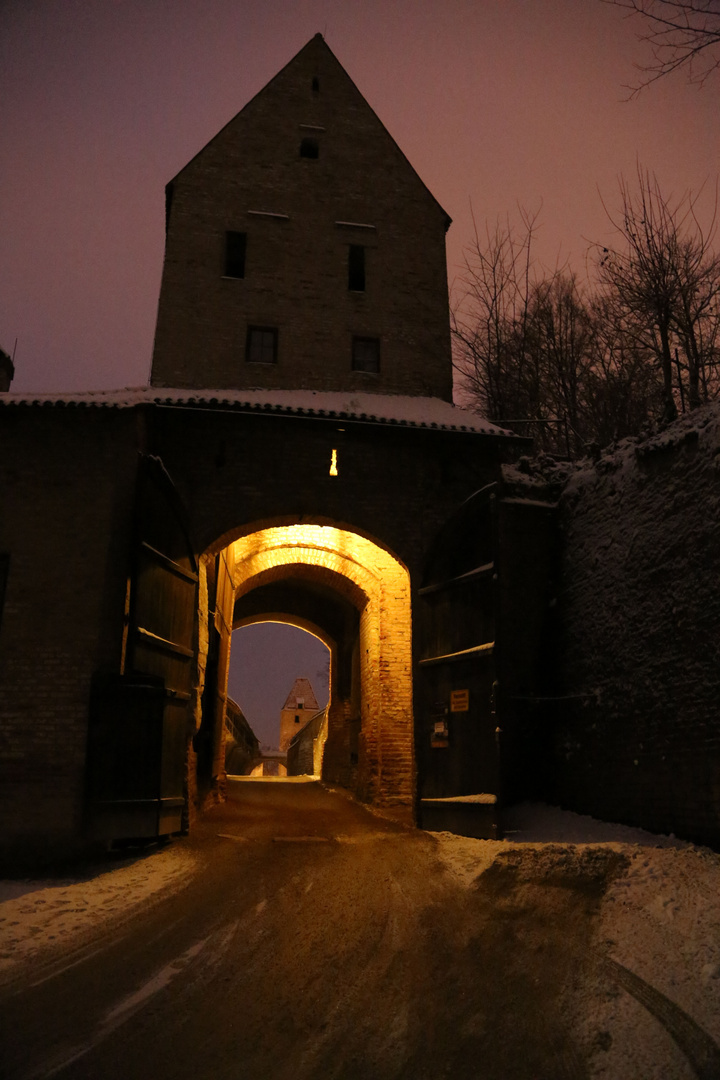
(265, 661)
(495, 103)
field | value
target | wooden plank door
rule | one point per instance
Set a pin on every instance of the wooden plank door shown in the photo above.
(456, 733)
(139, 722)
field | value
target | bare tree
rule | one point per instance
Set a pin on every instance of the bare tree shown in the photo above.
(680, 33)
(561, 334)
(623, 391)
(489, 323)
(523, 342)
(662, 284)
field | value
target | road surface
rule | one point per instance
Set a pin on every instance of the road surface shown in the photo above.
(317, 940)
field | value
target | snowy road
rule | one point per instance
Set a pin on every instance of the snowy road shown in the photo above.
(309, 938)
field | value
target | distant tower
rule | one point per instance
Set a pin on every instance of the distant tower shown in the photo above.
(300, 705)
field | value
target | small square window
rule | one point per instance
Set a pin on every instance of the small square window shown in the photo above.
(261, 346)
(366, 354)
(310, 148)
(235, 245)
(356, 268)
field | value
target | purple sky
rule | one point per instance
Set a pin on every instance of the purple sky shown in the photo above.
(495, 102)
(265, 661)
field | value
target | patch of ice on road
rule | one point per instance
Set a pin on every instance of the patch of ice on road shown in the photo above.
(37, 915)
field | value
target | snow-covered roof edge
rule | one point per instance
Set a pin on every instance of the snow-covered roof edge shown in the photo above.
(403, 410)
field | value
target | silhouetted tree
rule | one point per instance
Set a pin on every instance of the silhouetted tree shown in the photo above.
(490, 322)
(533, 353)
(662, 286)
(573, 365)
(680, 33)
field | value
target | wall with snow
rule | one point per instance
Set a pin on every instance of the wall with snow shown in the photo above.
(639, 625)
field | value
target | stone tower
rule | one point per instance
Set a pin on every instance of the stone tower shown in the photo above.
(304, 251)
(300, 705)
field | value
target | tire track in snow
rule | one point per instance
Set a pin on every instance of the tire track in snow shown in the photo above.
(701, 1051)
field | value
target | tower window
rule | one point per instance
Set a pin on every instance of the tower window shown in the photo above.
(309, 148)
(235, 244)
(366, 354)
(262, 345)
(356, 268)
(315, 85)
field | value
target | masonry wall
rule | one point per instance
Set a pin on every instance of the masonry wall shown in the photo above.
(239, 474)
(300, 215)
(639, 624)
(66, 487)
(67, 484)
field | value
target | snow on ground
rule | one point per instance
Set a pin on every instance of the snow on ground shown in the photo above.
(660, 919)
(41, 915)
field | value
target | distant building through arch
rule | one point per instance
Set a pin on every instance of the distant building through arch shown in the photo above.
(299, 707)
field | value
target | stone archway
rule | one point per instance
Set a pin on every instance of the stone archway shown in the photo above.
(273, 572)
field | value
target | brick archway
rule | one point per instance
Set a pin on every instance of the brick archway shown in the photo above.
(377, 585)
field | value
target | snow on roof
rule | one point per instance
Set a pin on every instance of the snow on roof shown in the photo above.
(406, 411)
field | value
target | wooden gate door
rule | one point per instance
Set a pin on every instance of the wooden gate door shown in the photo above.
(486, 662)
(457, 742)
(138, 737)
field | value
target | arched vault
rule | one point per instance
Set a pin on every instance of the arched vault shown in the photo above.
(356, 597)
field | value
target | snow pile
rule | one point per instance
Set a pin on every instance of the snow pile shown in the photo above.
(659, 918)
(37, 915)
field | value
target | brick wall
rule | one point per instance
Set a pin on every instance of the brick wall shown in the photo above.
(639, 622)
(380, 588)
(296, 267)
(67, 481)
(67, 477)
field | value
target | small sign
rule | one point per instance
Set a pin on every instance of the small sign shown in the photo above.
(459, 700)
(439, 737)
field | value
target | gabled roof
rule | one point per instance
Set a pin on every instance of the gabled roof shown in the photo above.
(303, 691)
(319, 47)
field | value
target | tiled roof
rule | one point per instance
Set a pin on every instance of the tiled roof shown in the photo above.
(395, 409)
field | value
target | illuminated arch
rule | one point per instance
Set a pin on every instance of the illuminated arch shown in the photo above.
(378, 585)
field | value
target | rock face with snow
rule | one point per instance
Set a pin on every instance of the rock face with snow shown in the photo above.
(638, 738)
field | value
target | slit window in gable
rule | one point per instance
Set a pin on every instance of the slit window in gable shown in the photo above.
(235, 246)
(356, 268)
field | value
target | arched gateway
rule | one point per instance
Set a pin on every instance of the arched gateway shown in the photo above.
(356, 597)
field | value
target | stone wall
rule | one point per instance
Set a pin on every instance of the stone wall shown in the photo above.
(639, 634)
(304, 755)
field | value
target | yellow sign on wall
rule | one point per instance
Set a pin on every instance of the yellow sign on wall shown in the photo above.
(459, 700)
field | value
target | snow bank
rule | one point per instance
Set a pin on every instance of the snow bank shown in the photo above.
(42, 915)
(659, 918)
